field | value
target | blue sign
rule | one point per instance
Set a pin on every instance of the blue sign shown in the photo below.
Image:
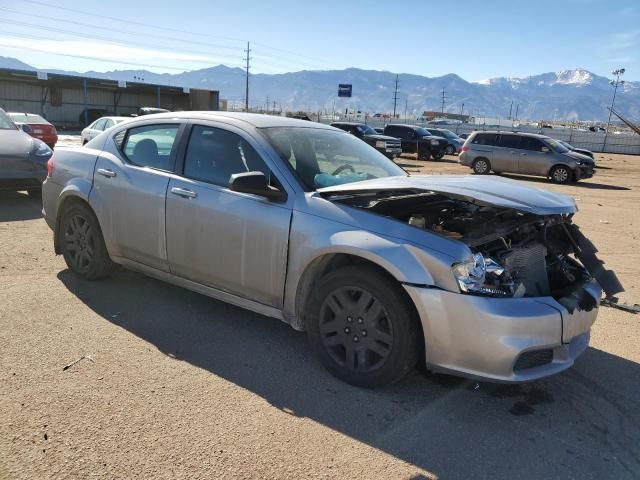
(344, 90)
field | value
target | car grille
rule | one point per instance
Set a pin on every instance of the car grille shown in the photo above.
(534, 358)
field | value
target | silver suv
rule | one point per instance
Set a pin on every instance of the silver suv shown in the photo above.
(524, 153)
(308, 224)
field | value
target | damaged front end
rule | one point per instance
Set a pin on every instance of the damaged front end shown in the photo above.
(515, 253)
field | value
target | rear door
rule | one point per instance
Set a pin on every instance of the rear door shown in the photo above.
(507, 155)
(130, 185)
(235, 242)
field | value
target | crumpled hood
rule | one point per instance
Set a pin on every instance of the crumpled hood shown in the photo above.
(482, 190)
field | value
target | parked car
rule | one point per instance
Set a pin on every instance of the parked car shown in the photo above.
(581, 151)
(23, 158)
(524, 153)
(36, 126)
(417, 140)
(454, 142)
(480, 277)
(388, 146)
(97, 127)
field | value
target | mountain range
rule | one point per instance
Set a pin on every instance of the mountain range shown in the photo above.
(575, 94)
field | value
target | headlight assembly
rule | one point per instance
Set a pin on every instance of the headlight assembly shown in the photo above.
(470, 274)
(381, 144)
(434, 142)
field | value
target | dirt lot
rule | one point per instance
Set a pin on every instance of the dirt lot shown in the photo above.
(182, 386)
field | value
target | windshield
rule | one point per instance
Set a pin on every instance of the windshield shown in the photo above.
(31, 118)
(367, 130)
(323, 158)
(565, 144)
(422, 132)
(556, 146)
(446, 133)
(5, 122)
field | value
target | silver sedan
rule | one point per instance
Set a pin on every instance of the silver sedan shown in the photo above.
(483, 278)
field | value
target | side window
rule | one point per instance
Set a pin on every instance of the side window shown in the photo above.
(99, 124)
(486, 139)
(530, 143)
(151, 146)
(213, 155)
(391, 131)
(108, 123)
(510, 141)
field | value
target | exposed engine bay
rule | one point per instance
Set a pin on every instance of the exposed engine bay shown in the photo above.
(516, 254)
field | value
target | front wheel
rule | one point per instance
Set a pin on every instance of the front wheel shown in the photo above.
(82, 244)
(363, 328)
(561, 174)
(438, 155)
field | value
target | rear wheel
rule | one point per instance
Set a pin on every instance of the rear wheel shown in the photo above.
(362, 327)
(481, 166)
(561, 174)
(82, 244)
(449, 150)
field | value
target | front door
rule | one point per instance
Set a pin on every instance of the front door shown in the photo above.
(533, 160)
(232, 241)
(130, 187)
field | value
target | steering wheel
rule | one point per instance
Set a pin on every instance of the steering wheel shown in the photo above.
(342, 168)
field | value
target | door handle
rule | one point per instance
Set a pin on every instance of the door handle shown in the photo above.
(106, 172)
(183, 192)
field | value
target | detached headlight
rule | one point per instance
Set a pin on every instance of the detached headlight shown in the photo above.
(381, 144)
(470, 274)
(434, 142)
(42, 149)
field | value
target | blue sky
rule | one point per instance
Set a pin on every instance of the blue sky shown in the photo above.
(475, 39)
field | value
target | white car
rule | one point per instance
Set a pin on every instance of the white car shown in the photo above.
(99, 126)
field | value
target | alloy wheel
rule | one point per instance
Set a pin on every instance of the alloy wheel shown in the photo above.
(481, 166)
(560, 175)
(355, 329)
(79, 242)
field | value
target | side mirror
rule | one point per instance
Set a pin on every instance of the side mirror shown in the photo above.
(26, 128)
(544, 149)
(255, 183)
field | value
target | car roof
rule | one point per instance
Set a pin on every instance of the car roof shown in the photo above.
(347, 123)
(524, 134)
(256, 120)
(403, 125)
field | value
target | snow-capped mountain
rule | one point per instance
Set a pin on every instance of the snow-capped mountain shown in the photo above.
(575, 94)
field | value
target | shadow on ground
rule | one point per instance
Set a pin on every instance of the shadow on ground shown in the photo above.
(582, 423)
(582, 183)
(19, 206)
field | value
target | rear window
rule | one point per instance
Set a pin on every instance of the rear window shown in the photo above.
(5, 122)
(486, 139)
(27, 118)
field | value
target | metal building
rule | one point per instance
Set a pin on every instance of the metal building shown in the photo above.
(73, 102)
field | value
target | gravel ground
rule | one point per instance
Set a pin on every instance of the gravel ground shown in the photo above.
(176, 385)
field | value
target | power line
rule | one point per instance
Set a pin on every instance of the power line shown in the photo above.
(86, 57)
(248, 59)
(108, 40)
(132, 22)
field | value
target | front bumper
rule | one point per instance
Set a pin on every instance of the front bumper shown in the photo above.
(584, 172)
(483, 338)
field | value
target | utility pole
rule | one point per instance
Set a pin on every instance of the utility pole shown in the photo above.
(517, 108)
(246, 94)
(395, 98)
(406, 101)
(461, 110)
(616, 83)
(443, 99)
(267, 104)
(510, 109)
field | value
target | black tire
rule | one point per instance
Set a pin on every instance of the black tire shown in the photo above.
(82, 245)
(424, 155)
(362, 327)
(438, 156)
(561, 174)
(481, 166)
(35, 193)
(449, 150)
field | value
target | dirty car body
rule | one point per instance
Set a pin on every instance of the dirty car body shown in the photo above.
(316, 228)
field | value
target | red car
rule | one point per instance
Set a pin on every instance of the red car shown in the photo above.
(36, 126)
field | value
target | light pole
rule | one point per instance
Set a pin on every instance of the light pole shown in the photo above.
(617, 82)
